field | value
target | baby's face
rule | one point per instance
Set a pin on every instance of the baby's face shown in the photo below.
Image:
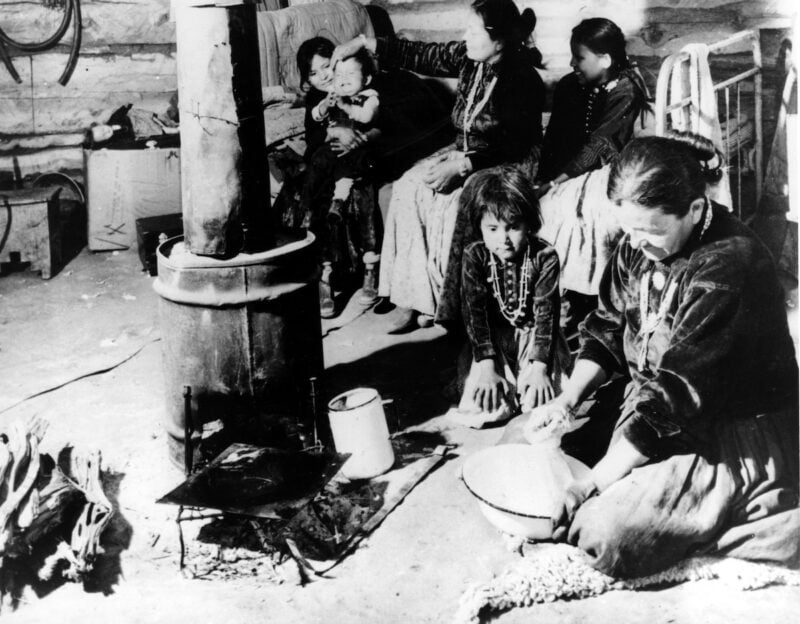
(348, 78)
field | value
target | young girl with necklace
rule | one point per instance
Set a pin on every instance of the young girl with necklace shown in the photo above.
(510, 299)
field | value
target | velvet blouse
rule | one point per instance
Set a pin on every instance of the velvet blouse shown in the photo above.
(508, 97)
(481, 308)
(589, 125)
(721, 350)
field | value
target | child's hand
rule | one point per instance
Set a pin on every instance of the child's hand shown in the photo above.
(535, 386)
(490, 388)
(325, 104)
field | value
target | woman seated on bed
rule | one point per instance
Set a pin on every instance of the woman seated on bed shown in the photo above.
(704, 455)
(595, 109)
(411, 123)
(497, 115)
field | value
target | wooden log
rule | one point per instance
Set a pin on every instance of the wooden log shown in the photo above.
(95, 73)
(101, 84)
(104, 21)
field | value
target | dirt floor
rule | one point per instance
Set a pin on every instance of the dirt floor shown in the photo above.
(100, 314)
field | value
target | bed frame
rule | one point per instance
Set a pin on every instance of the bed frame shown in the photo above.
(742, 153)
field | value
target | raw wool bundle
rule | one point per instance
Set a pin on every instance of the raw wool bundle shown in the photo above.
(35, 500)
(84, 545)
(563, 572)
(19, 469)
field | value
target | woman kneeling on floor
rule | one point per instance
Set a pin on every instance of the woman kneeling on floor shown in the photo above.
(704, 456)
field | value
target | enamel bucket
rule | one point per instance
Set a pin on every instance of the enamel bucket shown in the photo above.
(358, 427)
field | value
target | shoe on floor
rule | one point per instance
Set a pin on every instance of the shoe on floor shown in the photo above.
(327, 307)
(424, 321)
(405, 321)
(383, 306)
(369, 288)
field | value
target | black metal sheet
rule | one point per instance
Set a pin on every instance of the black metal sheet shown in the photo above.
(257, 481)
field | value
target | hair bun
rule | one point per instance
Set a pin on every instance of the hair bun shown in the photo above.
(708, 156)
(527, 20)
(712, 168)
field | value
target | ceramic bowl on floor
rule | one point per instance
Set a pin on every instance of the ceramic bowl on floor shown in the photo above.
(517, 486)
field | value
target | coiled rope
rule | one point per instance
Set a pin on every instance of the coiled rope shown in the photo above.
(71, 7)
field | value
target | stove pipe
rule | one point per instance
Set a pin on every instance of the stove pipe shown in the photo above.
(239, 312)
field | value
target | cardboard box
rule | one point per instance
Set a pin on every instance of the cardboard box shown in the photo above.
(123, 185)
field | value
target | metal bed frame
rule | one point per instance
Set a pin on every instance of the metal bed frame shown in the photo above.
(664, 111)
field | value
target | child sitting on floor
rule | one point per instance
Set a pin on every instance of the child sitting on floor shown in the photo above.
(351, 104)
(510, 301)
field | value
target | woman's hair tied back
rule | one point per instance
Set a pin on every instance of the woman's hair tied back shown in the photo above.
(602, 36)
(667, 172)
(504, 22)
(708, 156)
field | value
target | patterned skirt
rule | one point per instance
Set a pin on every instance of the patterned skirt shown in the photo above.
(738, 500)
(416, 242)
(424, 238)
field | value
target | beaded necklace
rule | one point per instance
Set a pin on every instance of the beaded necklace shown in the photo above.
(510, 312)
(469, 118)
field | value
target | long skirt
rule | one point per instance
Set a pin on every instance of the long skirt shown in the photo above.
(416, 244)
(739, 500)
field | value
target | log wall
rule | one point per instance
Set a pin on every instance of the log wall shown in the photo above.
(128, 50)
(127, 55)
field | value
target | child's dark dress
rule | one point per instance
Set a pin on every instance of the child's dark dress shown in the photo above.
(533, 334)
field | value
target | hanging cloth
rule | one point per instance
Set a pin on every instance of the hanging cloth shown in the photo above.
(692, 80)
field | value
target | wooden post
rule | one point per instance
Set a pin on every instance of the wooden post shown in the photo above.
(224, 170)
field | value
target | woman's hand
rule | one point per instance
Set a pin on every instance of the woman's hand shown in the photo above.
(618, 462)
(443, 175)
(490, 388)
(535, 386)
(325, 104)
(344, 140)
(549, 186)
(577, 493)
(349, 48)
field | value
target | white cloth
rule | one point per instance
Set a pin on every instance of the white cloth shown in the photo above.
(579, 221)
(693, 80)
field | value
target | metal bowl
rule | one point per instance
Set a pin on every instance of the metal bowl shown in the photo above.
(517, 486)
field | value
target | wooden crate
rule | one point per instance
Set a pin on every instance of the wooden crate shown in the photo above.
(29, 228)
